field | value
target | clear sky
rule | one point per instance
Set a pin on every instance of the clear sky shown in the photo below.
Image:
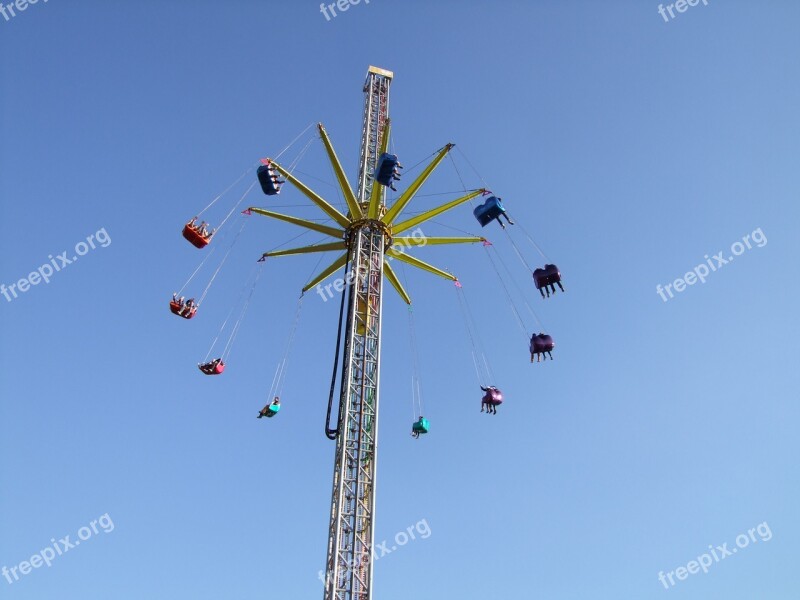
(629, 145)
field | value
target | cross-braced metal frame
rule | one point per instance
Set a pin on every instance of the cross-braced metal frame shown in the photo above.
(351, 537)
(366, 234)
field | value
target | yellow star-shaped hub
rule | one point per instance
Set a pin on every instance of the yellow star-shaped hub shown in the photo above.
(371, 213)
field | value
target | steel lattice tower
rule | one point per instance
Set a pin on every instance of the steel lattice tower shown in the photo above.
(350, 538)
(368, 234)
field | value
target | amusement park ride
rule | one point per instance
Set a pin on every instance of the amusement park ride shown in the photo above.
(367, 238)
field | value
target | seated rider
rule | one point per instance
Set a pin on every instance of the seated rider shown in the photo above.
(209, 367)
(414, 430)
(486, 401)
(504, 214)
(265, 411)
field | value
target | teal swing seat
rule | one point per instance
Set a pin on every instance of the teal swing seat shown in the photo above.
(421, 426)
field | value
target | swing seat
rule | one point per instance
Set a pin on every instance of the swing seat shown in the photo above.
(539, 278)
(195, 237)
(272, 410)
(421, 426)
(265, 174)
(540, 344)
(179, 310)
(493, 397)
(387, 163)
(547, 342)
(489, 211)
(212, 369)
(549, 275)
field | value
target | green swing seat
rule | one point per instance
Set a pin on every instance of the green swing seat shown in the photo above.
(421, 426)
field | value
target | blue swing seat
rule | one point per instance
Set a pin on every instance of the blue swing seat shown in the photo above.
(268, 186)
(489, 211)
(387, 163)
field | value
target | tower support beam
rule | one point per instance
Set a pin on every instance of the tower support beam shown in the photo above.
(351, 533)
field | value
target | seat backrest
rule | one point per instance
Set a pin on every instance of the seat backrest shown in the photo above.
(537, 344)
(547, 343)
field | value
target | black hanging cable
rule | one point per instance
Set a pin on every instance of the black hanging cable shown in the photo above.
(332, 433)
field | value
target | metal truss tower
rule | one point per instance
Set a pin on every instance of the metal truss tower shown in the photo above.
(369, 236)
(351, 533)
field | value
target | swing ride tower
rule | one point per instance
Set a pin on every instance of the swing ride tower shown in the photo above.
(351, 534)
(367, 237)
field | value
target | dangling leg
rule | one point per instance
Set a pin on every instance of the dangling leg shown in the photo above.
(510, 222)
(541, 291)
(561, 287)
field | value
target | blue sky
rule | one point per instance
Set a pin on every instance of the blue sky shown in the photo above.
(627, 146)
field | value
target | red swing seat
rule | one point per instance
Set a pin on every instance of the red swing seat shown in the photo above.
(195, 237)
(179, 310)
(212, 369)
